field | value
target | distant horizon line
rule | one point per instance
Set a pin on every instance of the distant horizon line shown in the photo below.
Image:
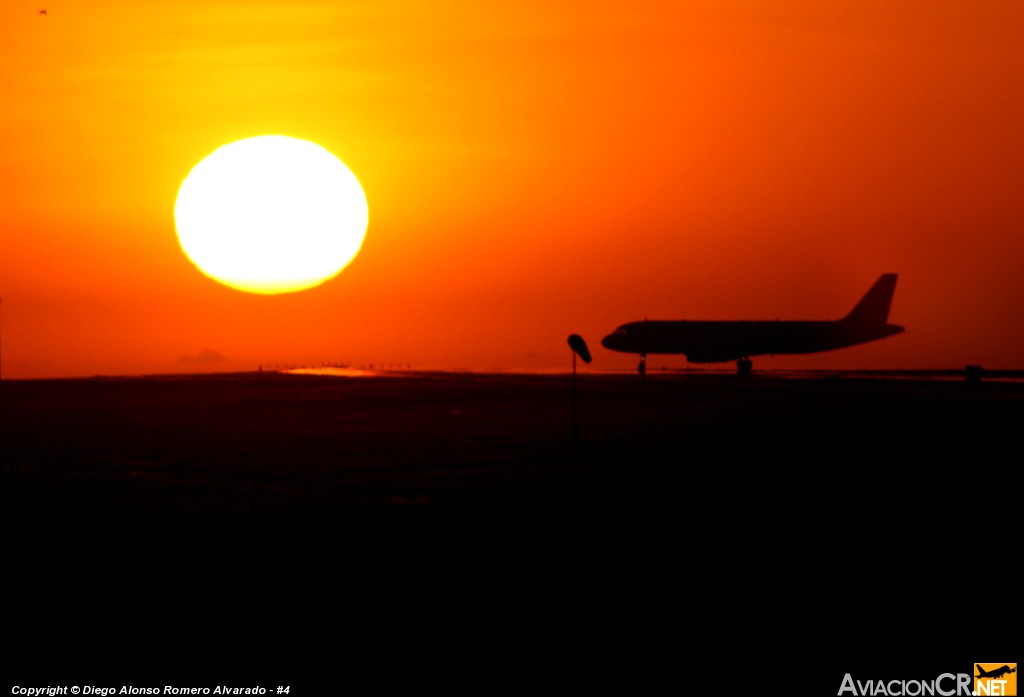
(364, 372)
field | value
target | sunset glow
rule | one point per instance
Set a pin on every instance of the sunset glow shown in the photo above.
(533, 170)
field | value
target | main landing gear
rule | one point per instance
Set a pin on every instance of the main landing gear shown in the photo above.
(642, 368)
(743, 366)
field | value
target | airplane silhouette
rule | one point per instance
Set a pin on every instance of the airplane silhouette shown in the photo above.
(716, 342)
(996, 673)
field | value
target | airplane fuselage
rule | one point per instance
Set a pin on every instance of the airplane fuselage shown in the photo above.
(713, 342)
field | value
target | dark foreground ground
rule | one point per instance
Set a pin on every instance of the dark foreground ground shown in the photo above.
(851, 513)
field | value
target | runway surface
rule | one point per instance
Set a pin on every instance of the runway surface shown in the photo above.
(823, 501)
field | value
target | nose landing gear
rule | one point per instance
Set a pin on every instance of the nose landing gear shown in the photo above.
(743, 366)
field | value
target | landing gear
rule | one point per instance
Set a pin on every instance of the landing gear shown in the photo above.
(642, 368)
(743, 366)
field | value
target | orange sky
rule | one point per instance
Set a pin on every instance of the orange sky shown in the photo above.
(531, 171)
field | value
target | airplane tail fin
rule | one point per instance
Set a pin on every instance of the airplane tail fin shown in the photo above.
(873, 308)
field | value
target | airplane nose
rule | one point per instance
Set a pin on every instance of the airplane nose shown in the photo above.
(607, 341)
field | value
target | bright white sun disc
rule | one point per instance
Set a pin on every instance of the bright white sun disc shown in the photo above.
(271, 214)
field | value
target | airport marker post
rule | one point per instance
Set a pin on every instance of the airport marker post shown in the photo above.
(578, 346)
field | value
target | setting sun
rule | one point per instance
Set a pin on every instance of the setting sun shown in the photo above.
(271, 214)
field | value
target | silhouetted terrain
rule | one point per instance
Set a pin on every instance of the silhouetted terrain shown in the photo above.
(820, 501)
